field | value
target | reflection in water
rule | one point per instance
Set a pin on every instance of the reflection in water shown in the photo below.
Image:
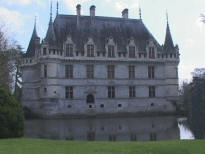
(185, 132)
(112, 129)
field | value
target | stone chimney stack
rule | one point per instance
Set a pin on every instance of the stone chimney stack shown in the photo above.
(125, 13)
(78, 10)
(92, 14)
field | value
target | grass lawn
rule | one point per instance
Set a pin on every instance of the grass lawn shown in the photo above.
(38, 146)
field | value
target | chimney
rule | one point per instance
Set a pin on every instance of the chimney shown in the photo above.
(78, 10)
(125, 13)
(92, 14)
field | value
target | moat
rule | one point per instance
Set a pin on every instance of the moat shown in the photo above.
(110, 129)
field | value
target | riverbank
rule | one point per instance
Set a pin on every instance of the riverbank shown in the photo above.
(38, 146)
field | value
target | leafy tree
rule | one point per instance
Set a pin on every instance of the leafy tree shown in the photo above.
(11, 116)
(194, 99)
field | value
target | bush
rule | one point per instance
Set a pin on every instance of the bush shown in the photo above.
(11, 116)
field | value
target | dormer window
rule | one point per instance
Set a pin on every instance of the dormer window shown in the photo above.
(69, 50)
(151, 52)
(90, 50)
(111, 51)
(131, 51)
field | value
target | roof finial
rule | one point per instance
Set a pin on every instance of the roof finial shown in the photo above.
(167, 17)
(35, 22)
(57, 8)
(140, 13)
(51, 12)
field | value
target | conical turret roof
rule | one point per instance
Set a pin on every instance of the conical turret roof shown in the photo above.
(32, 44)
(50, 35)
(168, 44)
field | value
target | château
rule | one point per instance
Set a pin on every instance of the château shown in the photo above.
(96, 65)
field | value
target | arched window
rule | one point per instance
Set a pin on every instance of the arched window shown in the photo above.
(90, 99)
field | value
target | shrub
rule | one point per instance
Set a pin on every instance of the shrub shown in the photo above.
(11, 116)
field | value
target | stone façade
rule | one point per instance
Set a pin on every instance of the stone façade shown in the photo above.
(45, 77)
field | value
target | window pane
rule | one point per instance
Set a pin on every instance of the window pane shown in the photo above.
(69, 71)
(111, 92)
(111, 52)
(111, 72)
(132, 52)
(69, 92)
(69, 50)
(90, 50)
(90, 71)
(131, 72)
(151, 72)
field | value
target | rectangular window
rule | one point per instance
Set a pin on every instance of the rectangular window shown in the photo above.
(132, 51)
(111, 51)
(111, 92)
(69, 92)
(131, 72)
(132, 91)
(90, 50)
(69, 50)
(45, 71)
(90, 71)
(69, 71)
(151, 52)
(151, 91)
(111, 72)
(151, 71)
(44, 51)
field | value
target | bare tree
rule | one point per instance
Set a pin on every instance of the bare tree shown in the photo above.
(9, 61)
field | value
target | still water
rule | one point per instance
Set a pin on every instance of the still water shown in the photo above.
(112, 129)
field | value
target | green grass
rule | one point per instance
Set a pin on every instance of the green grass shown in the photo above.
(37, 146)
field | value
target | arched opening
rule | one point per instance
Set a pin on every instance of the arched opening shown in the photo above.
(90, 99)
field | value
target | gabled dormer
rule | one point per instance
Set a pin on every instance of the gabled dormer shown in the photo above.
(132, 48)
(90, 48)
(151, 49)
(69, 47)
(110, 47)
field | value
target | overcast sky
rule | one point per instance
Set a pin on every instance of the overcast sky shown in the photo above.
(184, 19)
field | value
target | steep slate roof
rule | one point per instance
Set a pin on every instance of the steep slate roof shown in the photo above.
(50, 35)
(121, 30)
(168, 44)
(32, 44)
